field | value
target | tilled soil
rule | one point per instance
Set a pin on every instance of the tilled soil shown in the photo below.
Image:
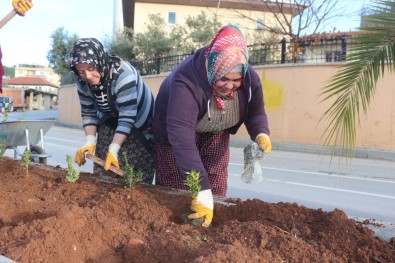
(44, 218)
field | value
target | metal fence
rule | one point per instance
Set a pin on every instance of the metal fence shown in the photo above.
(312, 50)
(306, 50)
(68, 78)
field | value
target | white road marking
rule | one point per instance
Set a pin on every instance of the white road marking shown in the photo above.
(326, 188)
(342, 190)
(323, 174)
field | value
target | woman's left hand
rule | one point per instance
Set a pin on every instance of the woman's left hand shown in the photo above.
(112, 156)
(264, 142)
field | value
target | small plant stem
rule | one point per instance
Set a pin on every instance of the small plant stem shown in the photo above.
(193, 182)
(72, 174)
(131, 178)
(26, 160)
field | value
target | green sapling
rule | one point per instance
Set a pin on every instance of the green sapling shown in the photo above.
(72, 174)
(193, 182)
(131, 178)
(26, 160)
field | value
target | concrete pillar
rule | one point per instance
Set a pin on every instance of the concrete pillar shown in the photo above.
(117, 19)
(40, 102)
(31, 95)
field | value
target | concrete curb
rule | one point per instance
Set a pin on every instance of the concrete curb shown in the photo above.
(68, 125)
(375, 154)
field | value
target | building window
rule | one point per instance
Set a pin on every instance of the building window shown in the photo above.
(171, 19)
(260, 23)
(333, 56)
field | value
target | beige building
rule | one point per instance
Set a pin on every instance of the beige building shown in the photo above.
(37, 71)
(248, 15)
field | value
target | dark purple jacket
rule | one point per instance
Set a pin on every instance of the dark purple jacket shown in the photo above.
(183, 99)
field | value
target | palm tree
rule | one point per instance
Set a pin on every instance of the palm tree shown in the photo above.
(353, 86)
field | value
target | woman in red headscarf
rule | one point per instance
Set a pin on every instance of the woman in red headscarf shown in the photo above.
(204, 100)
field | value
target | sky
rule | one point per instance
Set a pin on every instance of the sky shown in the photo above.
(27, 40)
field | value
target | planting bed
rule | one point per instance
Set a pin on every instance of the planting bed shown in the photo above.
(44, 218)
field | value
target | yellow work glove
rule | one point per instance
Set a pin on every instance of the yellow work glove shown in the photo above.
(203, 206)
(90, 147)
(264, 143)
(112, 156)
(21, 6)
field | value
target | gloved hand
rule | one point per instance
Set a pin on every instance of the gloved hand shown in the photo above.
(264, 142)
(21, 6)
(112, 156)
(203, 206)
(90, 147)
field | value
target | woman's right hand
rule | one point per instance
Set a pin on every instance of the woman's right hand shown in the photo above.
(79, 157)
(203, 206)
(90, 147)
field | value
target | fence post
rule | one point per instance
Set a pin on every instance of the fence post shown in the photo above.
(283, 48)
(157, 65)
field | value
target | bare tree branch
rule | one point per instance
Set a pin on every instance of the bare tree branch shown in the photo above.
(296, 17)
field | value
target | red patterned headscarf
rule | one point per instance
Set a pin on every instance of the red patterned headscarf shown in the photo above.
(226, 50)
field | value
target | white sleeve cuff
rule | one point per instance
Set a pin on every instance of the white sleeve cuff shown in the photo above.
(114, 148)
(90, 140)
(205, 198)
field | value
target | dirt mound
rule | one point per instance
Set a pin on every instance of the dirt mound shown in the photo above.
(44, 218)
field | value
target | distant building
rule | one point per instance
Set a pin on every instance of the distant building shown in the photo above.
(39, 93)
(248, 15)
(37, 71)
(322, 47)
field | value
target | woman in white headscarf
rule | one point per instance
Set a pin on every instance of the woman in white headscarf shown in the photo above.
(117, 105)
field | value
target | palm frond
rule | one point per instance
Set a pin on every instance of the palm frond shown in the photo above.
(353, 86)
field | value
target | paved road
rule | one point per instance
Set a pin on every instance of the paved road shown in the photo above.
(29, 115)
(363, 188)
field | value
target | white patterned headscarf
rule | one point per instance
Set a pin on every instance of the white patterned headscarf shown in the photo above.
(91, 51)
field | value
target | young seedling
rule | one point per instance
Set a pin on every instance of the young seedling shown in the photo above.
(131, 178)
(5, 117)
(2, 151)
(26, 160)
(193, 186)
(193, 182)
(72, 174)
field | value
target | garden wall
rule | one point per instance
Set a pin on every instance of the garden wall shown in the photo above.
(293, 106)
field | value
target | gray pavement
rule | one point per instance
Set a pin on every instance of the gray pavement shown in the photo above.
(368, 153)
